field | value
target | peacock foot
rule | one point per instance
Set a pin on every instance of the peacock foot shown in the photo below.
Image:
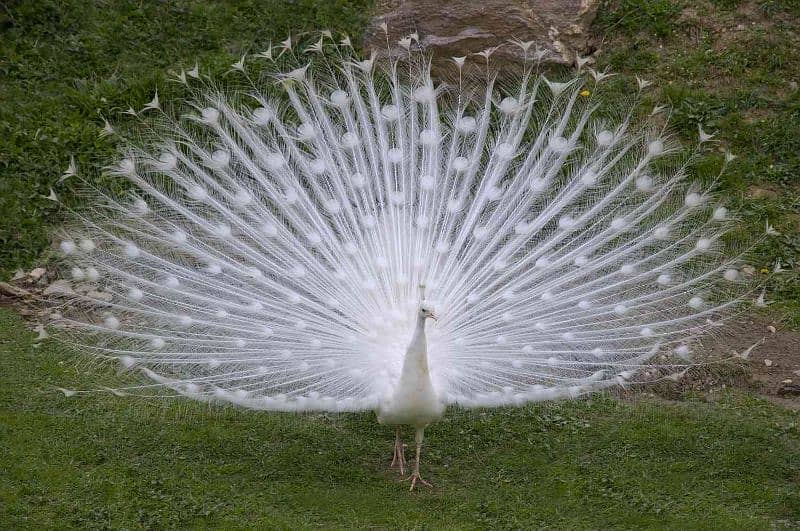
(399, 459)
(414, 478)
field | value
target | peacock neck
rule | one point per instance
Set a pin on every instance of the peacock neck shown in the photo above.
(416, 360)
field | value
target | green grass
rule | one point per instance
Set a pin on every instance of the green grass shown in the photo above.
(731, 67)
(108, 462)
(66, 65)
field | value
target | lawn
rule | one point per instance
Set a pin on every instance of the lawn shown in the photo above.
(107, 462)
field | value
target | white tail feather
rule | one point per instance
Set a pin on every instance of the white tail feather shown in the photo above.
(271, 257)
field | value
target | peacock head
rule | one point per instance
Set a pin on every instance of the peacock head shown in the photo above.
(426, 311)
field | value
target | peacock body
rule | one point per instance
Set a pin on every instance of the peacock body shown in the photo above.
(270, 248)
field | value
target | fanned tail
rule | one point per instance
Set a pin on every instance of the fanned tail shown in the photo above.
(270, 246)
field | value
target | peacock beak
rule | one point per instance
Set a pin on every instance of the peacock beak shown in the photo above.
(434, 317)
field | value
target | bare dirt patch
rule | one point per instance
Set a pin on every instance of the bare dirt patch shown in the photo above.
(773, 364)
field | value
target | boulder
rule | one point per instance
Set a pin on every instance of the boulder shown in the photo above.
(456, 28)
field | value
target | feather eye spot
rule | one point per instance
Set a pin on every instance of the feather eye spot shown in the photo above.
(209, 115)
(221, 230)
(644, 183)
(696, 303)
(538, 184)
(318, 166)
(350, 140)
(220, 159)
(111, 322)
(559, 144)
(604, 138)
(262, 116)
(139, 207)
(424, 94)
(197, 192)
(454, 205)
(395, 155)
(167, 161)
(693, 199)
(77, 274)
(268, 229)
(67, 247)
(589, 178)
(290, 196)
(703, 244)
(460, 164)
(135, 294)
(682, 351)
(390, 113)
(731, 275)
(621, 309)
(509, 105)
(566, 221)
(504, 151)
(661, 233)
(86, 245)
(655, 147)
(178, 237)
(126, 167)
(358, 180)
(720, 214)
(274, 161)
(242, 198)
(306, 132)
(429, 137)
(466, 125)
(619, 224)
(340, 98)
(131, 250)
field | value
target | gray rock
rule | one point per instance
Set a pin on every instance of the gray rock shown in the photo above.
(37, 273)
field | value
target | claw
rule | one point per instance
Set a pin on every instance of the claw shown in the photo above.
(416, 477)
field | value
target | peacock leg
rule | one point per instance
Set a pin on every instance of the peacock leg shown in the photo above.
(414, 477)
(399, 458)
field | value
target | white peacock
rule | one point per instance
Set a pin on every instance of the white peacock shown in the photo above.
(270, 249)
